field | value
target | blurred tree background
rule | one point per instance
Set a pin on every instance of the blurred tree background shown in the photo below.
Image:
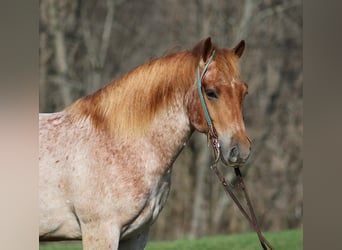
(84, 44)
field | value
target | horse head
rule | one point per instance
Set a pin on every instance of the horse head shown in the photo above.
(223, 92)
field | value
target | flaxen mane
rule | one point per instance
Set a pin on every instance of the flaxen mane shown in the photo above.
(127, 105)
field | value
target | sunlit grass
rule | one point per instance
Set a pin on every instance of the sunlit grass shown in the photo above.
(284, 240)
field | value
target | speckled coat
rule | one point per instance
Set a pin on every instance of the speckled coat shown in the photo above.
(106, 160)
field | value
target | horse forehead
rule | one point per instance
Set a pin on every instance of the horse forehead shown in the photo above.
(221, 74)
(235, 83)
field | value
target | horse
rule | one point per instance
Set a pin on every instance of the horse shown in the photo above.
(106, 160)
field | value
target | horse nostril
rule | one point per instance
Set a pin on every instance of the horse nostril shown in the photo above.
(234, 154)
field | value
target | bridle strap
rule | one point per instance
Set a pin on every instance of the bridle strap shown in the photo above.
(199, 88)
(254, 221)
(228, 189)
(213, 138)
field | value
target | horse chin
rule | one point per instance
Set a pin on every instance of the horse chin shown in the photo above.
(229, 163)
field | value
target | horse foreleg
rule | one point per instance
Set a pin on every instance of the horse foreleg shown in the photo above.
(137, 242)
(100, 235)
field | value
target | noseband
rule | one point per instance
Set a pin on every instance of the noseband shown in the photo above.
(213, 139)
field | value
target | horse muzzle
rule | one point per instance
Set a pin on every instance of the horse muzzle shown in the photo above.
(235, 155)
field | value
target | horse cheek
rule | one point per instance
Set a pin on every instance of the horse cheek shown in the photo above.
(196, 115)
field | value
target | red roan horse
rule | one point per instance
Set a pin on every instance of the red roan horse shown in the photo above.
(106, 160)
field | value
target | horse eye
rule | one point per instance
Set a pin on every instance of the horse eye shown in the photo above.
(211, 94)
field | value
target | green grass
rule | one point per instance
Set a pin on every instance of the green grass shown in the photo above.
(284, 240)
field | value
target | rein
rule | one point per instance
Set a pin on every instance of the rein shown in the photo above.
(213, 138)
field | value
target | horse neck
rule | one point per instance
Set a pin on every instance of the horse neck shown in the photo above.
(169, 133)
(146, 104)
(169, 127)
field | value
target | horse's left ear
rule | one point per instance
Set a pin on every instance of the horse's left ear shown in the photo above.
(207, 49)
(204, 49)
(238, 49)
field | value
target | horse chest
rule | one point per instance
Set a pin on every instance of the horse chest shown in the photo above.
(153, 205)
(160, 194)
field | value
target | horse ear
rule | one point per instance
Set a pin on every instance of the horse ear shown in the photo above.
(207, 49)
(204, 48)
(238, 49)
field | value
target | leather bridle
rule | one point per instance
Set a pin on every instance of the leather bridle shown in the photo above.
(213, 139)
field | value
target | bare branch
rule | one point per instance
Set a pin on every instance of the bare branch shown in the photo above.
(59, 39)
(275, 10)
(250, 18)
(88, 39)
(246, 18)
(60, 55)
(107, 30)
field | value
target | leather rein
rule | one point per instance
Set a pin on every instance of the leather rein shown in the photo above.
(213, 139)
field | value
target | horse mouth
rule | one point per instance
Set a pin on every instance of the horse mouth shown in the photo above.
(234, 162)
